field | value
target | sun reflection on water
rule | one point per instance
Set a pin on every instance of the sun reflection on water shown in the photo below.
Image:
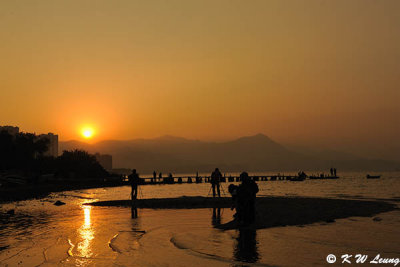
(86, 233)
(86, 211)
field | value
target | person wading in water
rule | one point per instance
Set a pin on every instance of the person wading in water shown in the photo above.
(134, 181)
(215, 180)
(246, 200)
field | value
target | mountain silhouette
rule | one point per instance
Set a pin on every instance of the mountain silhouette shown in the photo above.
(252, 153)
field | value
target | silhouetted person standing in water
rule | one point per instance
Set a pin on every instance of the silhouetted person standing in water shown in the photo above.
(215, 180)
(246, 200)
(134, 181)
(334, 171)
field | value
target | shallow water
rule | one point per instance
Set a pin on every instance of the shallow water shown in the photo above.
(75, 235)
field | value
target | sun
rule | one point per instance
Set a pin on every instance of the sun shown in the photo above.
(87, 132)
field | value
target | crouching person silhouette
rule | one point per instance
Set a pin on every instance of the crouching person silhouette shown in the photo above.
(246, 200)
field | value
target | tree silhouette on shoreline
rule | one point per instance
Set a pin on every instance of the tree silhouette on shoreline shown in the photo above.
(25, 152)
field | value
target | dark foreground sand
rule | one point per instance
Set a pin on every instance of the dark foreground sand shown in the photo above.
(271, 211)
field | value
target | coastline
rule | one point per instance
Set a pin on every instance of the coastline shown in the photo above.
(18, 193)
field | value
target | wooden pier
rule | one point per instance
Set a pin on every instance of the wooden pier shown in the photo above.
(224, 179)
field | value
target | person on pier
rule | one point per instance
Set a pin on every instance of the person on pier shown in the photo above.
(215, 180)
(154, 176)
(134, 181)
(170, 178)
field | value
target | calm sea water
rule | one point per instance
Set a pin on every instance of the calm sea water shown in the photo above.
(43, 234)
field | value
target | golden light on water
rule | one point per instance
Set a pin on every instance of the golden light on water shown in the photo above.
(86, 211)
(86, 233)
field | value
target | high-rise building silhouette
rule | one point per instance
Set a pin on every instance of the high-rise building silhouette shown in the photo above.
(53, 144)
(53, 139)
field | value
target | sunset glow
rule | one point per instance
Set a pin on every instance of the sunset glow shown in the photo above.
(290, 70)
(118, 118)
(87, 132)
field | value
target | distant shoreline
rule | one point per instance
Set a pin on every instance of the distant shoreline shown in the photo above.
(18, 193)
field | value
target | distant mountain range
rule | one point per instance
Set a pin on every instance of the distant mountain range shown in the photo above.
(252, 153)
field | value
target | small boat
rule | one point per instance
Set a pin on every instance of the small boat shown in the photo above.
(297, 178)
(373, 176)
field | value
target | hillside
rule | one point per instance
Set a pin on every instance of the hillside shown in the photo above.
(253, 153)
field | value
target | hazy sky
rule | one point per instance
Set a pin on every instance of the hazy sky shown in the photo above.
(321, 72)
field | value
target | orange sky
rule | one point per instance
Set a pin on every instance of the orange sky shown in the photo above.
(324, 72)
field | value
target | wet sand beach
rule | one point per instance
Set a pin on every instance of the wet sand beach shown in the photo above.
(298, 224)
(271, 211)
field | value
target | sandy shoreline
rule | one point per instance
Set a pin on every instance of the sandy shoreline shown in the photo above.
(271, 211)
